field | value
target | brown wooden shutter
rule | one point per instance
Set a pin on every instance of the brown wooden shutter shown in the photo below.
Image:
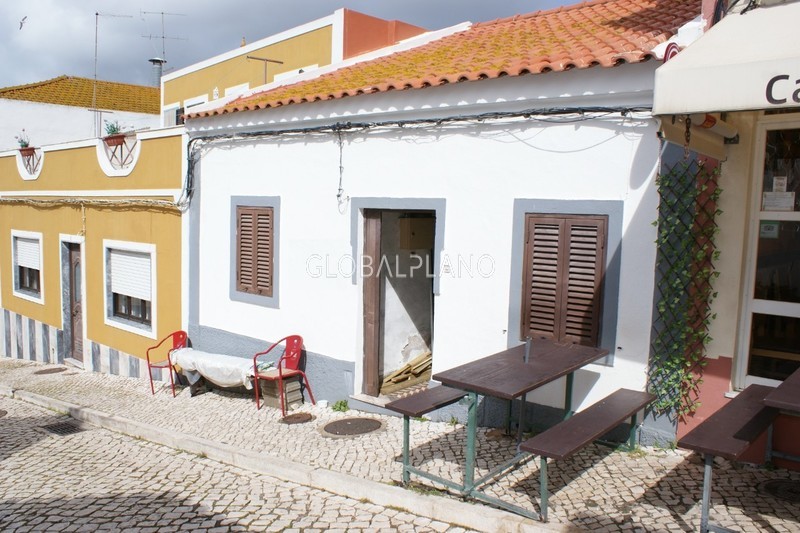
(254, 250)
(564, 261)
(583, 291)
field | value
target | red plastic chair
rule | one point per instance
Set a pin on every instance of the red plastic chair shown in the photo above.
(179, 340)
(286, 367)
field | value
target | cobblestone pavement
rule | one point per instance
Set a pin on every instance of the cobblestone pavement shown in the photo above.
(97, 479)
(598, 489)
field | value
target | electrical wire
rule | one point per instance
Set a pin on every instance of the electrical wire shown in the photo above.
(555, 115)
(559, 115)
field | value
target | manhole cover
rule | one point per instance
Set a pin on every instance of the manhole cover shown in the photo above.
(63, 428)
(784, 489)
(3, 413)
(297, 418)
(50, 371)
(352, 426)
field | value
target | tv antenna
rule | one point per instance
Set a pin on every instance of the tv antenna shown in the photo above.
(163, 35)
(97, 112)
(266, 62)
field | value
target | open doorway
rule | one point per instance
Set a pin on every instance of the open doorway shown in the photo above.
(398, 300)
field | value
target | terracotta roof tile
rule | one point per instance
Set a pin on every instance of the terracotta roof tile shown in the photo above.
(603, 33)
(74, 91)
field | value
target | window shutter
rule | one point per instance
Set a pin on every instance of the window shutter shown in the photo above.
(582, 295)
(564, 263)
(245, 236)
(130, 273)
(27, 252)
(541, 298)
(255, 238)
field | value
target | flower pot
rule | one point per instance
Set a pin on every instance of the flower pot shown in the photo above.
(27, 151)
(117, 139)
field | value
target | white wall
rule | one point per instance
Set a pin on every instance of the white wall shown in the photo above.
(479, 169)
(47, 124)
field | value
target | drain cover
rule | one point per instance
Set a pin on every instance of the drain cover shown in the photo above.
(63, 428)
(50, 371)
(3, 413)
(352, 426)
(297, 418)
(784, 489)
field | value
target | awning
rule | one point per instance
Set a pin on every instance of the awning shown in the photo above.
(745, 62)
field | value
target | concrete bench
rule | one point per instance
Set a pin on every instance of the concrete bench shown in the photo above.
(566, 438)
(729, 433)
(416, 405)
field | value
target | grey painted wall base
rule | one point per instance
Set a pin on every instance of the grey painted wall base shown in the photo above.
(659, 430)
(330, 379)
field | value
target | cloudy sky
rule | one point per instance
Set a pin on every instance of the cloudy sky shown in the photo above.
(42, 39)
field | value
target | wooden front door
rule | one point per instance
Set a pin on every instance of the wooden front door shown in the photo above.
(75, 303)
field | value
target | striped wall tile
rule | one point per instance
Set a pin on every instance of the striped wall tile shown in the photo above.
(25, 338)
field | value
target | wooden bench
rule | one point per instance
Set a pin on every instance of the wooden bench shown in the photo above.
(564, 439)
(416, 405)
(728, 433)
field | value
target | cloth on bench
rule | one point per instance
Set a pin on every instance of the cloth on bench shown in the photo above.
(220, 369)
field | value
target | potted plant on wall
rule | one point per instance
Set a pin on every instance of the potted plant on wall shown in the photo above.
(25, 148)
(114, 135)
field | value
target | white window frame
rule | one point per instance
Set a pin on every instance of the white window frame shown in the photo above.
(749, 304)
(149, 331)
(171, 109)
(14, 275)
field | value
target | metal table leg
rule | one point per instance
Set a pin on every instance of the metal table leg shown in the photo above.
(472, 428)
(406, 446)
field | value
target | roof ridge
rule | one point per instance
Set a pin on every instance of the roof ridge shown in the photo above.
(596, 33)
(542, 12)
(67, 77)
(34, 84)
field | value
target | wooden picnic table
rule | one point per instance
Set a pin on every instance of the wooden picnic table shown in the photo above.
(507, 375)
(786, 396)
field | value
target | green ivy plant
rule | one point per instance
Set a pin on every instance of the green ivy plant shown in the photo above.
(687, 229)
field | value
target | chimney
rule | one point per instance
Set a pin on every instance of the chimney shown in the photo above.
(158, 66)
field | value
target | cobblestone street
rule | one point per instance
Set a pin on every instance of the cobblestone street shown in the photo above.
(45, 476)
(97, 479)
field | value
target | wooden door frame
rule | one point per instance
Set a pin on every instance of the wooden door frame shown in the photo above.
(370, 274)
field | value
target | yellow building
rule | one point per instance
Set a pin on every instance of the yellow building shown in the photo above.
(91, 232)
(300, 50)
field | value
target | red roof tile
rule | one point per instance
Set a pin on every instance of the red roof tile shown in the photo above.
(81, 92)
(601, 33)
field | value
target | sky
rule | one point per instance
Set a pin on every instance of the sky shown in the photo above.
(43, 39)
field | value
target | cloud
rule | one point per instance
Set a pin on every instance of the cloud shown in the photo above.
(59, 37)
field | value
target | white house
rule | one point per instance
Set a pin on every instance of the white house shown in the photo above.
(438, 160)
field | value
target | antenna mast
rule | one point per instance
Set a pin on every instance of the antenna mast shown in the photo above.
(163, 35)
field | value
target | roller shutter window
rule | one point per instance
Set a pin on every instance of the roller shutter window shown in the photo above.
(27, 258)
(130, 276)
(563, 279)
(255, 232)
